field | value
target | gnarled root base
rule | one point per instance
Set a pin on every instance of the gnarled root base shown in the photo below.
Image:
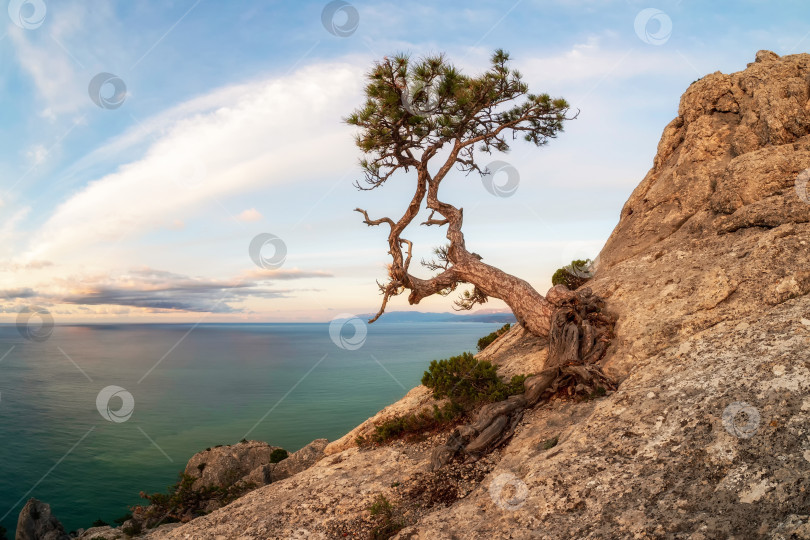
(579, 336)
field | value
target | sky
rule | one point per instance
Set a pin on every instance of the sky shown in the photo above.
(145, 144)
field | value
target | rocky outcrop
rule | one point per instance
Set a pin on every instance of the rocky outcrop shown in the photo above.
(717, 230)
(249, 462)
(224, 466)
(37, 523)
(299, 460)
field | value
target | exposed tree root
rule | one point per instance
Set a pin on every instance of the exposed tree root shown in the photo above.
(579, 336)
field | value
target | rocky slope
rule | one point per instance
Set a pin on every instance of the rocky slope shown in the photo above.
(708, 435)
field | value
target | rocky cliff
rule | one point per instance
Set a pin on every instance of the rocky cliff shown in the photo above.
(708, 434)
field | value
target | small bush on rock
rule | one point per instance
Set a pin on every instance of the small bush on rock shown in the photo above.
(387, 525)
(485, 341)
(575, 275)
(279, 454)
(414, 424)
(182, 499)
(469, 381)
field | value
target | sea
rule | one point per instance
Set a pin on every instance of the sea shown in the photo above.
(91, 415)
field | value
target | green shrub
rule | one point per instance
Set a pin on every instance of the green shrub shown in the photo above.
(279, 454)
(386, 526)
(484, 342)
(100, 523)
(469, 381)
(550, 443)
(575, 275)
(380, 506)
(132, 530)
(414, 424)
(182, 498)
(465, 381)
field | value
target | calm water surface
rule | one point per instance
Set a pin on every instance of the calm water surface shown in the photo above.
(214, 384)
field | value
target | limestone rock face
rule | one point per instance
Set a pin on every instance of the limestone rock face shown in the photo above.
(299, 460)
(708, 435)
(717, 230)
(225, 465)
(728, 161)
(37, 523)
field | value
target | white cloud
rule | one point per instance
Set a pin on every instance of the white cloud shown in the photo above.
(46, 58)
(230, 141)
(36, 154)
(249, 215)
(592, 62)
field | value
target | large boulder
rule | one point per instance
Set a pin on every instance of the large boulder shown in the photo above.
(37, 523)
(249, 462)
(224, 466)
